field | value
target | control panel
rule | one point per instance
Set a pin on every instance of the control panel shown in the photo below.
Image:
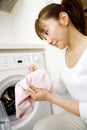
(9, 61)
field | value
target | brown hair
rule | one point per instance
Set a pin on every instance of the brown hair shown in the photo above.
(73, 8)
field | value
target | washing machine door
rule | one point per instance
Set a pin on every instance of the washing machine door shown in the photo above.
(7, 95)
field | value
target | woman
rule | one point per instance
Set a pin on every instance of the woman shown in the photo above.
(63, 26)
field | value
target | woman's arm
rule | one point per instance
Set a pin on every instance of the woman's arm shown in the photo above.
(69, 105)
(43, 95)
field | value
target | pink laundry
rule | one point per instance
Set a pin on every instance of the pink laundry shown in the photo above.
(23, 103)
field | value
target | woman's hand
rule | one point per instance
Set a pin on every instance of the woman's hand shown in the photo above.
(32, 68)
(38, 94)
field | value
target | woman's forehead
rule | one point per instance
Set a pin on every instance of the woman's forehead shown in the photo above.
(46, 22)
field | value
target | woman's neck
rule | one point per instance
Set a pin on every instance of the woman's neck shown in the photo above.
(77, 39)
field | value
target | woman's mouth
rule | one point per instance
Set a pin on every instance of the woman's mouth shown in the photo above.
(56, 44)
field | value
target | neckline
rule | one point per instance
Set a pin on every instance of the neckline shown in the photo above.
(77, 64)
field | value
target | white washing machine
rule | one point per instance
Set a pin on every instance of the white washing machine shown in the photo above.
(13, 67)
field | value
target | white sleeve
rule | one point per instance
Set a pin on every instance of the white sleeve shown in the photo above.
(83, 111)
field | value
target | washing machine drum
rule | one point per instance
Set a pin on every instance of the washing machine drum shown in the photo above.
(7, 96)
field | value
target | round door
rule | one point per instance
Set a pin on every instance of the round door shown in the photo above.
(7, 96)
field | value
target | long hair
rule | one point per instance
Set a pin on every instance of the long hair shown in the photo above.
(73, 8)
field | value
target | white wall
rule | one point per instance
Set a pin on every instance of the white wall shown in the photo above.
(25, 14)
(57, 1)
(7, 29)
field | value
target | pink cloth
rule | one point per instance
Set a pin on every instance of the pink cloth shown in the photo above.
(24, 104)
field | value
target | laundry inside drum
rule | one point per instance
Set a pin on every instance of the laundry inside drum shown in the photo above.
(8, 98)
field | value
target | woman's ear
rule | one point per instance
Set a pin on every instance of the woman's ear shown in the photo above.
(64, 18)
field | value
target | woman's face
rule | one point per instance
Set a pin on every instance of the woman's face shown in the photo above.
(56, 33)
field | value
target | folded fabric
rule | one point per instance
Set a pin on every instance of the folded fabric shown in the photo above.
(23, 103)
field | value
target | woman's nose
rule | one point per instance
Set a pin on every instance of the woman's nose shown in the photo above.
(49, 41)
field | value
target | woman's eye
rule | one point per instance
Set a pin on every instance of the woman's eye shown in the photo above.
(44, 38)
(46, 32)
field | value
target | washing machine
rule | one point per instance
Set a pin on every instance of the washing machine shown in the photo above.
(14, 64)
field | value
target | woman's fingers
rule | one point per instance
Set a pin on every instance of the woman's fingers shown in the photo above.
(32, 68)
(35, 89)
(28, 91)
(38, 94)
(31, 94)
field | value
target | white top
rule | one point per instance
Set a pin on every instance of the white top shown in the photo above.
(75, 80)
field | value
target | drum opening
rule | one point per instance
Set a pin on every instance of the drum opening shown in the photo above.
(8, 99)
